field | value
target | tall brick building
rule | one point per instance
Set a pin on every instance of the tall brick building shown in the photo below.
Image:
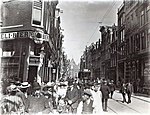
(137, 37)
(30, 40)
(123, 51)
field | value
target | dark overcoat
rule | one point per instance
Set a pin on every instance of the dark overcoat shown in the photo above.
(105, 91)
(73, 96)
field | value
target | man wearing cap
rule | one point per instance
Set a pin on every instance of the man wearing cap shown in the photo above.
(61, 105)
(38, 103)
(62, 89)
(72, 98)
(86, 105)
(105, 95)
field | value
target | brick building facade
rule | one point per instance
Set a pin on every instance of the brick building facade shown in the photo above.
(30, 40)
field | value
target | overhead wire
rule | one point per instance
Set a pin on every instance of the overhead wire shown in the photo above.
(105, 15)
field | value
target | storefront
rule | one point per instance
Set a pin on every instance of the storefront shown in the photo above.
(146, 74)
(21, 55)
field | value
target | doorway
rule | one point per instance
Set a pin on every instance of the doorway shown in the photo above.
(32, 73)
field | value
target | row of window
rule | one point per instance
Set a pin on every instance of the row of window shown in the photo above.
(144, 16)
(121, 21)
(134, 43)
(113, 62)
(138, 42)
(44, 15)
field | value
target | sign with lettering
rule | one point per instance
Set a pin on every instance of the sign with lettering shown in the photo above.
(34, 60)
(13, 35)
(23, 34)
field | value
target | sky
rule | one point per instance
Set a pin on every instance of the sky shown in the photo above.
(80, 21)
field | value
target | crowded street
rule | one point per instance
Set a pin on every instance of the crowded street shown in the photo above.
(74, 57)
(140, 105)
(60, 98)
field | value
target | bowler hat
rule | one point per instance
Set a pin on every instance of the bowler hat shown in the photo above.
(25, 85)
(87, 92)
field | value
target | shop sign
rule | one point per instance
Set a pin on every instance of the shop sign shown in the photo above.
(22, 34)
(13, 35)
(34, 60)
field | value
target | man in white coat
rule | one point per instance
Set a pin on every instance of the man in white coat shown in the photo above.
(96, 94)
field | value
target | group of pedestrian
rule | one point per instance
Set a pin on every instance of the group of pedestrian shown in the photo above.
(126, 89)
(89, 98)
(63, 97)
(17, 100)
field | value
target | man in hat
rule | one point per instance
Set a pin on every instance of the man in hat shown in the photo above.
(129, 91)
(61, 105)
(105, 95)
(62, 89)
(80, 91)
(86, 105)
(38, 102)
(12, 104)
(112, 88)
(23, 94)
(123, 92)
(72, 98)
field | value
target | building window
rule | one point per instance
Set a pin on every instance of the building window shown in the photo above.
(132, 17)
(48, 21)
(148, 13)
(128, 23)
(137, 42)
(142, 18)
(143, 40)
(127, 46)
(147, 38)
(116, 33)
(134, 41)
(1, 51)
(37, 13)
(122, 35)
(121, 52)
(121, 21)
(132, 44)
